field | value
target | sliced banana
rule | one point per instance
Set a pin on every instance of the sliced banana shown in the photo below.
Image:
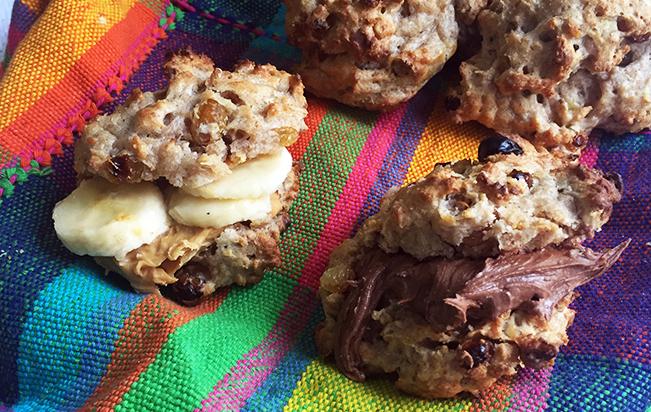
(197, 211)
(105, 219)
(260, 176)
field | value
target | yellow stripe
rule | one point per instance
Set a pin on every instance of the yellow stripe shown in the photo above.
(443, 141)
(323, 388)
(63, 33)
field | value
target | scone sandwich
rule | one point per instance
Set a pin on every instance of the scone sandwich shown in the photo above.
(371, 54)
(187, 189)
(466, 275)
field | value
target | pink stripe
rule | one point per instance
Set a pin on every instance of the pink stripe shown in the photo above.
(352, 198)
(530, 390)
(590, 154)
(255, 366)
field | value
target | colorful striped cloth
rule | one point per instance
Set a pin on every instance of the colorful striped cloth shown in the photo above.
(74, 338)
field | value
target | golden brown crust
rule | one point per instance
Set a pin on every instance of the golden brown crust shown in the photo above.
(190, 134)
(508, 204)
(551, 71)
(371, 54)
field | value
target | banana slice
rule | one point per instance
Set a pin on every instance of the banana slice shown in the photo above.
(254, 178)
(196, 211)
(104, 219)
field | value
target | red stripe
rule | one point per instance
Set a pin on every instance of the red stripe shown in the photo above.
(142, 337)
(78, 84)
(316, 110)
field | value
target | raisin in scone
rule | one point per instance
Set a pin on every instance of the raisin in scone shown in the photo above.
(552, 71)
(446, 316)
(371, 54)
(206, 121)
(188, 241)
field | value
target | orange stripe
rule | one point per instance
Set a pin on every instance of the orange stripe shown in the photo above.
(141, 338)
(36, 6)
(78, 82)
(64, 32)
(443, 141)
(316, 110)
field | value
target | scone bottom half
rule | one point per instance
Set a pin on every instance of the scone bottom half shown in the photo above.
(407, 298)
(172, 215)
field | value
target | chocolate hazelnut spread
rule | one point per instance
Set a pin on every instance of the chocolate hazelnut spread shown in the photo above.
(449, 294)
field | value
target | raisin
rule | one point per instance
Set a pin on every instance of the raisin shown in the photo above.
(187, 290)
(538, 356)
(480, 351)
(452, 103)
(122, 167)
(208, 112)
(497, 145)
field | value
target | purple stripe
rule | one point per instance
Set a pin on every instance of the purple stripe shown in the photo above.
(398, 158)
(530, 390)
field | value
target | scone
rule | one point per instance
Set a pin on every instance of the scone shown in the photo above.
(371, 54)
(552, 71)
(466, 275)
(193, 132)
(151, 220)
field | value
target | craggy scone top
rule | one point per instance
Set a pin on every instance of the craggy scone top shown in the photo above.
(552, 70)
(372, 53)
(511, 203)
(205, 122)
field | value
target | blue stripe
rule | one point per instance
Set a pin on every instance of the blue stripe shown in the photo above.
(276, 390)
(31, 257)
(82, 312)
(593, 383)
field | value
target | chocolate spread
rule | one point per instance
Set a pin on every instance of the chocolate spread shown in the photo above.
(451, 293)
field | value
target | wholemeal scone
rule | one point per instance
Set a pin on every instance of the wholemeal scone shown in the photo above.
(448, 303)
(172, 234)
(206, 121)
(520, 201)
(552, 71)
(371, 54)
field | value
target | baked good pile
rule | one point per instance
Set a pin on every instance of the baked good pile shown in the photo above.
(464, 276)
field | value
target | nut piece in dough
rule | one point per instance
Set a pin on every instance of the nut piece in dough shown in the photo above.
(373, 54)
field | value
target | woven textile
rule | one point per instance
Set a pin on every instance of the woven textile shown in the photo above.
(72, 337)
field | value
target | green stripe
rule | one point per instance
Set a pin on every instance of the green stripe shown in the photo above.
(202, 351)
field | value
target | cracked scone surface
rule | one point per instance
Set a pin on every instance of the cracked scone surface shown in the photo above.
(508, 204)
(206, 121)
(371, 54)
(552, 71)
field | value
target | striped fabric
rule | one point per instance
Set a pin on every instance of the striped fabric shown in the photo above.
(72, 337)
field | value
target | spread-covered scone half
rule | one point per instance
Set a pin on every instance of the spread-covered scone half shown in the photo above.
(466, 275)
(206, 121)
(373, 54)
(139, 209)
(552, 71)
